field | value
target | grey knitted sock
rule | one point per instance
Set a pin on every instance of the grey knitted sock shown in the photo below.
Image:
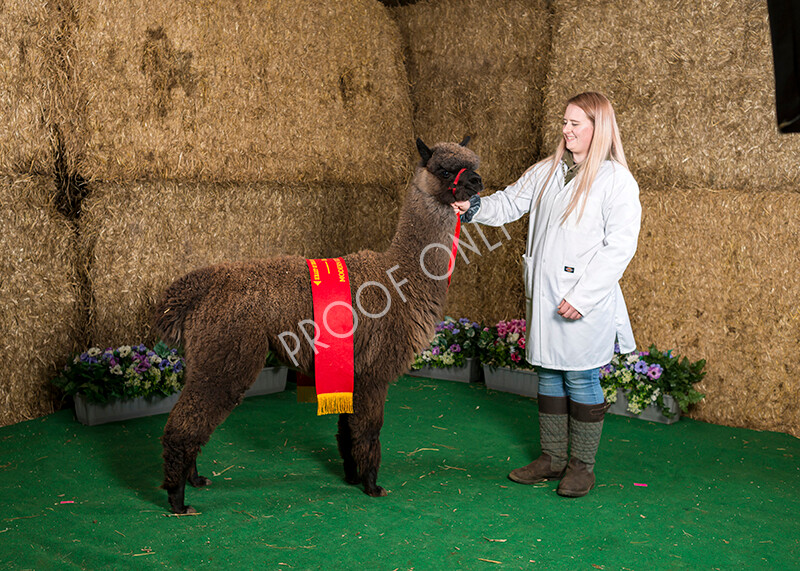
(554, 437)
(585, 437)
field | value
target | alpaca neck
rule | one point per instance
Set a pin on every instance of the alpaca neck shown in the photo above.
(424, 236)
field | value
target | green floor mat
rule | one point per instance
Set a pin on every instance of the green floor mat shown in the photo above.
(690, 495)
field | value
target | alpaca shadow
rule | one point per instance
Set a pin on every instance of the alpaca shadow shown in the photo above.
(281, 432)
(129, 453)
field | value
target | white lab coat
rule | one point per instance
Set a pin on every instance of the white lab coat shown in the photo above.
(581, 262)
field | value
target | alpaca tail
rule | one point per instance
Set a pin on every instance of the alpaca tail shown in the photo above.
(177, 303)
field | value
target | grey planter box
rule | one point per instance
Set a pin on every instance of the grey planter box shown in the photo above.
(523, 382)
(651, 413)
(269, 380)
(92, 414)
(470, 372)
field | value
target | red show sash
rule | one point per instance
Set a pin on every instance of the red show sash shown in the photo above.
(333, 349)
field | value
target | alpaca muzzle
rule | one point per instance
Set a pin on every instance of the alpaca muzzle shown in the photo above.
(471, 184)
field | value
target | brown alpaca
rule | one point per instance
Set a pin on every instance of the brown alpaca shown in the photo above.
(228, 316)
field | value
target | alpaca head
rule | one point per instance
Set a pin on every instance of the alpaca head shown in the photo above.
(449, 171)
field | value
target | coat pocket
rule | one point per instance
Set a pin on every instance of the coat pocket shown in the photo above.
(527, 275)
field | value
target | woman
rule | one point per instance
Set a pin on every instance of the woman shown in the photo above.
(583, 229)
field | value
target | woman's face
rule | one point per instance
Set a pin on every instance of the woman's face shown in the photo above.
(577, 131)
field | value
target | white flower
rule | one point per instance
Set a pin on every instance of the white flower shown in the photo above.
(116, 370)
(124, 351)
(94, 352)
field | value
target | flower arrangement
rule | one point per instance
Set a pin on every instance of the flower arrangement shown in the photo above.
(647, 376)
(453, 343)
(123, 373)
(503, 345)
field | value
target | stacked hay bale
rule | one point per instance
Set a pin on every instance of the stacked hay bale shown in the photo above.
(141, 236)
(717, 277)
(40, 309)
(39, 294)
(28, 86)
(693, 87)
(478, 67)
(225, 131)
(715, 274)
(286, 90)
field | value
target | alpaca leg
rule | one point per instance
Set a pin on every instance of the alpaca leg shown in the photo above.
(207, 399)
(365, 427)
(195, 479)
(345, 441)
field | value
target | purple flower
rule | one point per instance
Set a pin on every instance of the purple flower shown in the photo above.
(654, 372)
(436, 350)
(641, 367)
(455, 348)
(616, 347)
(456, 331)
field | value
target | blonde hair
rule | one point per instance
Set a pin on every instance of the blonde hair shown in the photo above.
(606, 144)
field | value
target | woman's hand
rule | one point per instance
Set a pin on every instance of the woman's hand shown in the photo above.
(566, 311)
(461, 207)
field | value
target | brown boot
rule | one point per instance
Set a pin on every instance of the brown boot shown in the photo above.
(539, 470)
(554, 437)
(585, 428)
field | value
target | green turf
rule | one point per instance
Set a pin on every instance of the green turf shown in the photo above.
(715, 497)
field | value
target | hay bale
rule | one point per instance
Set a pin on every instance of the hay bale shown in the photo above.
(478, 67)
(692, 84)
(28, 71)
(490, 287)
(717, 277)
(138, 238)
(40, 310)
(223, 91)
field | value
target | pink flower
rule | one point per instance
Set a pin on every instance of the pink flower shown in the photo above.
(521, 342)
(515, 357)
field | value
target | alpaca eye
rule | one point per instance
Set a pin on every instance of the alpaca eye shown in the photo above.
(445, 173)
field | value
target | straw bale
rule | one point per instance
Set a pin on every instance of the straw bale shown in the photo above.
(478, 67)
(28, 71)
(692, 84)
(40, 310)
(137, 238)
(239, 91)
(489, 288)
(717, 277)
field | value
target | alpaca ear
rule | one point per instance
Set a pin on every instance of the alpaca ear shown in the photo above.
(424, 151)
(465, 141)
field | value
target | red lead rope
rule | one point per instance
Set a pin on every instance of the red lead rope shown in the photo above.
(452, 263)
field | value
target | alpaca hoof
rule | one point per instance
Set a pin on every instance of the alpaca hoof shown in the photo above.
(199, 481)
(352, 480)
(376, 492)
(185, 510)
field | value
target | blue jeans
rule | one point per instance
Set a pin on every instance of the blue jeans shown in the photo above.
(580, 386)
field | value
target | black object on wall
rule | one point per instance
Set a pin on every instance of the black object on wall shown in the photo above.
(784, 23)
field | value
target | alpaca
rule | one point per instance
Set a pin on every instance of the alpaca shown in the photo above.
(228, 316)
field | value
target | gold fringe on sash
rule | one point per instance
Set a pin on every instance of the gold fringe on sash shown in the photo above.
(335, 403)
